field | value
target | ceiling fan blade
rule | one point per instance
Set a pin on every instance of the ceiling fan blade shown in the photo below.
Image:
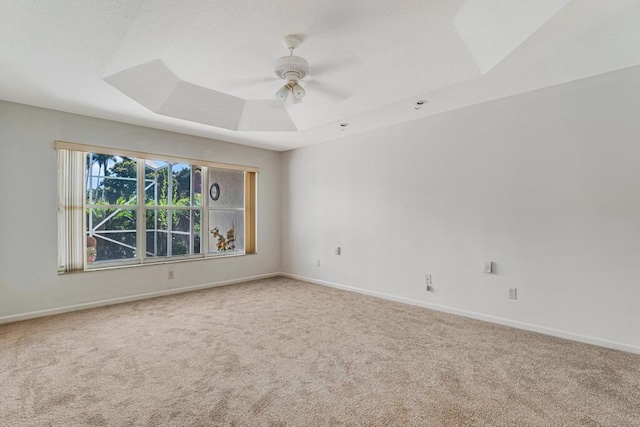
(344, 64)
(257, 79)
(251, 81)
(335, 80)
(260, 55)
(327, 91)
(251, 65)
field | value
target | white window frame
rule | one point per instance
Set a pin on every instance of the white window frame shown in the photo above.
(250, 231)
(142, 228)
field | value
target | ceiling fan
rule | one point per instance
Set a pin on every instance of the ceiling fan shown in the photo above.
(291, 69)
(332, 81)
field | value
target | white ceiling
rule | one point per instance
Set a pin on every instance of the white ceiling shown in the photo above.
(205, 67)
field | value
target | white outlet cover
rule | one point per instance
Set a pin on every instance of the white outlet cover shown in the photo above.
(487, 267)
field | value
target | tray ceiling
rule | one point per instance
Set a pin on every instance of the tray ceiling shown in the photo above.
(206, 67)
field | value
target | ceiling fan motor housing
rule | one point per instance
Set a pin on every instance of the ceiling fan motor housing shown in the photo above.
(291, 67)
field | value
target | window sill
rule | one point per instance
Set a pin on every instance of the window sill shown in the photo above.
(133, 264)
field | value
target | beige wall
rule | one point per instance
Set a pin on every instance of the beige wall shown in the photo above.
(28, 236)
(545, 184)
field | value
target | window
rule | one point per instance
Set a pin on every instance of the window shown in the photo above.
(226, 212)
(111, 208)
(191, 209)
(173, 199)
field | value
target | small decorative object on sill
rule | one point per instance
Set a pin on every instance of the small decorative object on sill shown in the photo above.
(225, 244)
(92, 252)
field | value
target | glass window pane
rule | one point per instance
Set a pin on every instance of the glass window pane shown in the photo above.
(156, 243)
(172, 232)
(226, 231)
(172, 184)
(181, 175)
(111, 179)
(179, 244)
(111, 234)
(226, 189)
(156, 182)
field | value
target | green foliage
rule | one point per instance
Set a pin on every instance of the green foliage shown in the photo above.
(113, 220)
(123, 192)
(115, 189)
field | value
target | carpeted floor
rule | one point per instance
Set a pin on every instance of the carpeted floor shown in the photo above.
(281, 352)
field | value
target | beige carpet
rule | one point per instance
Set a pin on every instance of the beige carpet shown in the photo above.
(282, 352)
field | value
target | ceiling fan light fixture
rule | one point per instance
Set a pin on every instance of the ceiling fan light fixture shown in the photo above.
(283, 93)
(291, 69)
(292, 86)
(298, 91)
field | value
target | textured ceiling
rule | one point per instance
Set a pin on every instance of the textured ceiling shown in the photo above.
(206, 67)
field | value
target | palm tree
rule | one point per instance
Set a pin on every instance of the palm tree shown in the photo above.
(102, 160)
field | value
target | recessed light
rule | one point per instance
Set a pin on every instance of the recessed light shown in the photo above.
(418, 105)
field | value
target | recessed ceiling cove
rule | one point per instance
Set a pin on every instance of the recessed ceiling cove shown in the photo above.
(156, 87)
(208, 67)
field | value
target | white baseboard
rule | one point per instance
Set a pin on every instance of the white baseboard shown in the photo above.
(111, 301)
(479, 316)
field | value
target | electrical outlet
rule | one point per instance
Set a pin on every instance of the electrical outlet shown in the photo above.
(170, 275)
(487, 267)
(317, 263)
(427, 279)
(338, 250)
(512, 293)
